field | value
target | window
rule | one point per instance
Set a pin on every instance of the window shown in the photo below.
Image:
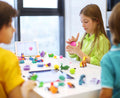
(111, 4)
(42, 21)
(43, 29)
(40, 3)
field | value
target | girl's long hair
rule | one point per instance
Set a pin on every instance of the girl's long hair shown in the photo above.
(93, 11)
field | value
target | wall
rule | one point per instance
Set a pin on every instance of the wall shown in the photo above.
(72, 18)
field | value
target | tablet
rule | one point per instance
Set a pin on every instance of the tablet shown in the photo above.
(28, 48)
(50, 75)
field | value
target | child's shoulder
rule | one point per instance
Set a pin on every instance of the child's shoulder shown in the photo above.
(6, 53)
(102, 36)
(106, 56)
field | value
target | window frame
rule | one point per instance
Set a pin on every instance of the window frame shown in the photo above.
(43, 12)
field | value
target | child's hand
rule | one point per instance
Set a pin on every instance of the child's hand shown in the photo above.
(73, 49)
(26, 87)
(72, 39)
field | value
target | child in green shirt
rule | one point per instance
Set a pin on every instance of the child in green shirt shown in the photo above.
(94, 44)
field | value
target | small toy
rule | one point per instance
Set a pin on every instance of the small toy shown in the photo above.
(51, 55)
(21, 61)
(40, 65)
(19, 58)
(27, 67)
(61, 80)
(41, 84)
(22, 56)
(53, 89)
(70, 85)
(46, 65)
(73, 43)
(49, 64)
(82, 79)
(37, 56)
(56, 67)
(95, 81)
(30, 58)
(34, 61)
(55, 57)
(61, 56)
(64, 67)
(42, 54)
(83, 62)
(40, 60)
(33, 77)
(61, 77)
(72, 70)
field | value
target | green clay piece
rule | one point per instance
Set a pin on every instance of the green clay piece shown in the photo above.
(51, 55)
(34, 61)
(21, 61)
(34, 77)
(41, 84)
(66, 67)
(72, 70)
(61, 77)
(61, 84)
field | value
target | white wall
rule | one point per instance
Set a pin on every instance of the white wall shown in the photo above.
(72, 18)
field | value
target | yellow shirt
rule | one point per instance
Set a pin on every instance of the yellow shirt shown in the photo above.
(10, 73)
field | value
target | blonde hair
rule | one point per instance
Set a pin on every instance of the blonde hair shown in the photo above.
(93, 11)
(114, 23)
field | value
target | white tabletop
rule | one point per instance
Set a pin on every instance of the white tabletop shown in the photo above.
(87, 90)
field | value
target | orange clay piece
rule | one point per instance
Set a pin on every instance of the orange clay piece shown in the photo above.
(37, 56)
(70, 84)
(23, 57)
(53, 89)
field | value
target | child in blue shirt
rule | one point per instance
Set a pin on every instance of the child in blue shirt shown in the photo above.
(110, 63)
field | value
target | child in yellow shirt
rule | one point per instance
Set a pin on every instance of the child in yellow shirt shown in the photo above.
(12, 84)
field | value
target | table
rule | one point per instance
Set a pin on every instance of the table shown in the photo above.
(87, 90)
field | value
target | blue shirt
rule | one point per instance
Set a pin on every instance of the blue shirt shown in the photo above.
(110, 73)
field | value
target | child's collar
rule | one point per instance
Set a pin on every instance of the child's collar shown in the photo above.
(90, 37)
(115, 47)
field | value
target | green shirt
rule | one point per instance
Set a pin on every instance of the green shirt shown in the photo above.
(100, 48)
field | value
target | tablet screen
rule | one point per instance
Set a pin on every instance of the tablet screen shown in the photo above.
(28, 48)
(50, 75)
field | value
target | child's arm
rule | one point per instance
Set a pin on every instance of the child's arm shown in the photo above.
(27, 89)
(15, 93)
(106, 93)
(24, 91)
(33, 94)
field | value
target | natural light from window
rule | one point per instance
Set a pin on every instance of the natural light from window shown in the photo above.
(40, 3)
